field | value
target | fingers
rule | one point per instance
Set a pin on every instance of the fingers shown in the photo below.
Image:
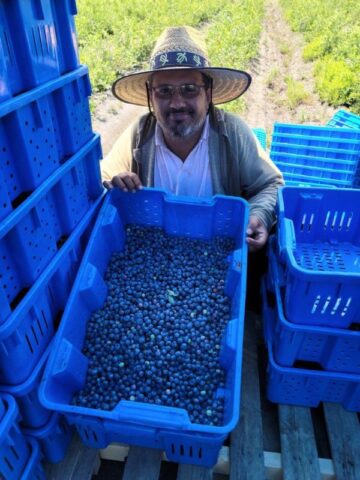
(256, 234)
(126, 181)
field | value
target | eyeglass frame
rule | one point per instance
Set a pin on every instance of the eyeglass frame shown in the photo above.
(177, 88)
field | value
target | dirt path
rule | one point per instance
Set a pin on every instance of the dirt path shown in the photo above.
(267, 100)
(280, 58)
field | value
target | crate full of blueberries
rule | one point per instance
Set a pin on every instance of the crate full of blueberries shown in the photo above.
(149, 349)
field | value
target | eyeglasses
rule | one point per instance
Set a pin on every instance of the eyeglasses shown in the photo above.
(187, 90)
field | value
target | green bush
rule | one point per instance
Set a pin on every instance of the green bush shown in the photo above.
(332, 34)
(335, 81)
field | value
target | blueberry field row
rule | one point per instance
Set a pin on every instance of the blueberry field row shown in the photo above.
(331, 31)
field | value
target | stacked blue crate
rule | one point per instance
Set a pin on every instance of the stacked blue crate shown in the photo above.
(260, 134)
(343, 118)
(50, 191)
(311, 301)
(316, 155)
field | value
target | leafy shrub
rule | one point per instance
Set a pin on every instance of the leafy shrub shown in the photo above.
(332, 35)
(335, 81)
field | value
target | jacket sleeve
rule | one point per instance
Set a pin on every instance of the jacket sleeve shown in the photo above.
(258, 176)
(119, 158)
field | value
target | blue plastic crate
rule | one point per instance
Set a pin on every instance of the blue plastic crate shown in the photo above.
(334, 349)
(312, 141)
(33, 469)
(343, 118)
(33, 233)
(33, 414)
(305, 387)
(39, 131)
(322, 170)
(150, 425)
(308, 155)
(260, 134)
(319, 245)
(37, 43)
(324, 132)
(14, 448)
(293, 181)
(30, 326)
(54, 438)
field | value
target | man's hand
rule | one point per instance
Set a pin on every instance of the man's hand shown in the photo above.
(126, 181)
(256, 234)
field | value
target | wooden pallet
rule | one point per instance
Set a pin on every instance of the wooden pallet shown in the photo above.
(253, 453)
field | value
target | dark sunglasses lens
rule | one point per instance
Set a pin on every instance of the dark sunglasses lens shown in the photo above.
(164, 92)
(189, 90)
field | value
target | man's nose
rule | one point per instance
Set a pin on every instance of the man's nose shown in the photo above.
(177, 98)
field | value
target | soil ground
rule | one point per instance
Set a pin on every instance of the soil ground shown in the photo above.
(267, 100)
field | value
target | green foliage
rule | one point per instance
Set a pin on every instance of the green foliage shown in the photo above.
(233, 38)
(117, 37)
(296, 92)
(335, 81)
(332, 34)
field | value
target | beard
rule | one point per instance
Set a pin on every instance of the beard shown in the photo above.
(180, 128)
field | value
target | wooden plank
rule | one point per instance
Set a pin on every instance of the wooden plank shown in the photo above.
(344, 436)
(143, 464)
(80, 462)
(193, 472)
(298, 446)
(273, 465)
(246, 445)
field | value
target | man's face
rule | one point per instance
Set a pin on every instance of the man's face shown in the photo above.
(179, 116)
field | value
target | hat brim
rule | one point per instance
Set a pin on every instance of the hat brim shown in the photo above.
(228, 84)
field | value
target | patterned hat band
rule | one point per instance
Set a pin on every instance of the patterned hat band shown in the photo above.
(178, 59)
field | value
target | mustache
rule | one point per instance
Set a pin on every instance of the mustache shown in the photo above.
(171, 110)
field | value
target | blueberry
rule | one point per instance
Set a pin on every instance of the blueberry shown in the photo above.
(157, 338)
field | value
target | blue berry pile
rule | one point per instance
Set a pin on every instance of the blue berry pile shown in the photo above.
(157, 338)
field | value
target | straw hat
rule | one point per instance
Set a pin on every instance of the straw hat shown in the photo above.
(179, 48)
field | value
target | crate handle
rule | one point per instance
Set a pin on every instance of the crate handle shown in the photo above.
(229, 344)
(277, 276)
(151, 415)
(286, 235)
(235, 269)
(92, 288)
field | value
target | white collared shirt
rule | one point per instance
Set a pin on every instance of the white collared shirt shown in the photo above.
(191, 177)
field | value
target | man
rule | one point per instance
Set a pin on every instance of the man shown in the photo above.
(184, 144)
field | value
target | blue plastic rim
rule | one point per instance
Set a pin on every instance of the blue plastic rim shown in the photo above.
(37, 43)
(316, 131)
(54, 437)
(319, 244)
(33, 469)
(14, 448)
(137, 423)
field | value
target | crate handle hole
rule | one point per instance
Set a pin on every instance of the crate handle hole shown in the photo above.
(15, 453)
(9, 464)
